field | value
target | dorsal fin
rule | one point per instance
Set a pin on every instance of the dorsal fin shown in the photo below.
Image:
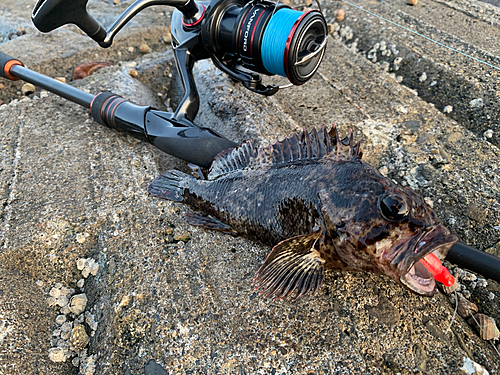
(311, 145)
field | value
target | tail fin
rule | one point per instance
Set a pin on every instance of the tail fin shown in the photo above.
(170, 185)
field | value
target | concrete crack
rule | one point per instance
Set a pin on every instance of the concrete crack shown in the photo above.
(7, 212)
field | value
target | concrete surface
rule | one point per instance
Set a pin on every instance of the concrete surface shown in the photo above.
(171, 298)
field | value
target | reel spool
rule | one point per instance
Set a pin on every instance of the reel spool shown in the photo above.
(265, 37)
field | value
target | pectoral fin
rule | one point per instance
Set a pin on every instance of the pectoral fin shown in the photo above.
(294, 266)
(209, 223)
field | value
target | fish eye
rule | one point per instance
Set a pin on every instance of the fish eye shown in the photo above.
(393, 207)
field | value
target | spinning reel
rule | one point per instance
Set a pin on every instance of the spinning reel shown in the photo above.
(243, 38)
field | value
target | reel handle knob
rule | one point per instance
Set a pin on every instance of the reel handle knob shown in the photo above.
(51, 14)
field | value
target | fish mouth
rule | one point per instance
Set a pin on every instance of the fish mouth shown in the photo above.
(417, 278)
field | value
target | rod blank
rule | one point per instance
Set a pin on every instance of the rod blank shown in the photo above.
(66, 91)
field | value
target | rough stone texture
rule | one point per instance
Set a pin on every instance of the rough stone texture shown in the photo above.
(73, 189)
(452, 79)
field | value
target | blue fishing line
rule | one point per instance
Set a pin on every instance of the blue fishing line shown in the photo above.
(275, 37)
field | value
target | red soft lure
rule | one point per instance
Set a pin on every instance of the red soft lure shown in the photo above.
(438, 271)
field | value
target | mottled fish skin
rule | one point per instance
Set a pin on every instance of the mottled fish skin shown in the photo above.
(319, 205)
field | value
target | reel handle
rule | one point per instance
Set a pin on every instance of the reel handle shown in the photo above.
(48, 15)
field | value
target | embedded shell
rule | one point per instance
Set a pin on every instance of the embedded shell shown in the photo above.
(485, 326)
(79, 338)
(465, 307)
(77, 303)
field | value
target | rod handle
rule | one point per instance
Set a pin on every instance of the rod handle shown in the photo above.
(7, 62)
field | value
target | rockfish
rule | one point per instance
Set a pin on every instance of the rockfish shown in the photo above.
(313, 199)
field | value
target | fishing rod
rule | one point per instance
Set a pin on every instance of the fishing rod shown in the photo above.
(243, 38)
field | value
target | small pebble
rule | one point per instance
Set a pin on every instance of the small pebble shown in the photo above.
(87, 365)
(67, 326)
(144, 48)
(92, 268)
(65, 335)
(124, 302)
(65, 310)
(65, 291)
(412, 2)
(87, 266)
(167, 38)
(448, 109)
(482, 283)
(131, 49)
(468, 276)
(331, 28)
(60, 79)
(77, 303)
(116, 2)
(28, 89)
(80, 238)
(80, 283)
(62, 301)
(423, 77)
(488, 133)
(133, 73)
(80, 263)
(339, 15)
(383, 170)
(476, 103)
(491, 296)
(55, 292)
(60, 319)
(90, 320)
(59, 354)
(184, 237)
(472, 368)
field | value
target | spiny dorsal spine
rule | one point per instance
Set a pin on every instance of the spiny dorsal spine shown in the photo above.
(311, 145)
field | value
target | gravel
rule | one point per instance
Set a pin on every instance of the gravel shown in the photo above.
(74, 195)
